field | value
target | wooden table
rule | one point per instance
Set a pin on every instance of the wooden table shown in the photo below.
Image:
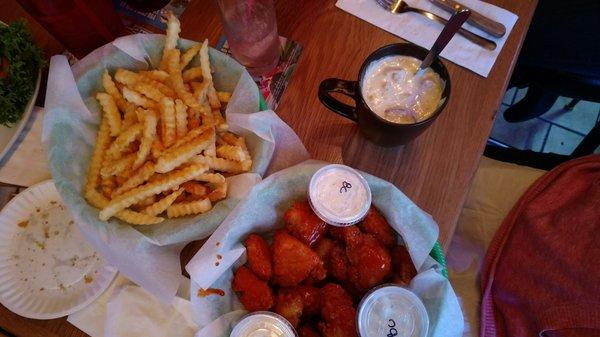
(435, 170)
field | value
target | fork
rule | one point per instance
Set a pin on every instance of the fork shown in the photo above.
(400, 6)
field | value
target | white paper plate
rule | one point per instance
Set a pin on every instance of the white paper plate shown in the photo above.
(47, 269)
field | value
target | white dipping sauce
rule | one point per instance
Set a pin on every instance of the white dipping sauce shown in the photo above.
(339, 195)
(391, 89)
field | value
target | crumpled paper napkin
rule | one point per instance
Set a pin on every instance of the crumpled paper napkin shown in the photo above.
(126, 310)
(420, 30)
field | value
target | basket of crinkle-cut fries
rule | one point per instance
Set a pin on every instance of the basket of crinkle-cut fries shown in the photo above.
(163, 148)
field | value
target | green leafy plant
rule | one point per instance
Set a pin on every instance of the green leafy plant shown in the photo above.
(20, 62)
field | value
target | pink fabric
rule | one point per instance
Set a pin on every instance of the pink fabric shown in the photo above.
(541, 274)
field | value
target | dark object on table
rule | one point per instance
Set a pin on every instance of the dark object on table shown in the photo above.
(81, 26)
(560, 57)
(374, 127)
(147, 6)
(541, 274)
(20, 62)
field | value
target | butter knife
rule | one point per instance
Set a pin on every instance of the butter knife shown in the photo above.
(476, 19)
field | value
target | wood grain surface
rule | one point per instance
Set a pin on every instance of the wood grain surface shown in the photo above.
(435, 170)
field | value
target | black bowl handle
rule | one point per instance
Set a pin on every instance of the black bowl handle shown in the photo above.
(347, 88)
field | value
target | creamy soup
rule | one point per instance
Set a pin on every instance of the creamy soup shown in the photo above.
(391, 89)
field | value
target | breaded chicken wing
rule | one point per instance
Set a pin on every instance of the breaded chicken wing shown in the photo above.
(255, 294)
(292, 260)
(374, 223)
(259, 256)
(370, 263)
(304, 224)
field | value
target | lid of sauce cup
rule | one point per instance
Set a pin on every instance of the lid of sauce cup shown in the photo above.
(263, 324)
(339, 195)
(391, 310)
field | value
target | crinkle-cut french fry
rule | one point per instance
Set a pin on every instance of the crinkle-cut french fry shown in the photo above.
(189, 54)
(168, 182)
(145, 203)
(163, 88)
(172, 159)
(125, 138)
(193, 133)
(136, 218)
(176, 80)
(150, 120)
(220, 164)
(181, 118)
(207, 76)
(224, 97)
(102, 142)
(156, 75)
(211, 178)
(95, 198)
(126, 77)
(137, 178)
(199, 90)
(189, 208)
(168, 124)
(193, 118)
(173, 30)
(99, 201)
(219, 193)
(138, 99)
(131, 79)
(129, 116)
(230, 152)
(108, 186)
(111, 88)
(164, 203)
(229, 138)
(157, 148)
(192, 74)
(208, 120)
(220, 123)
(117, 166)
(195, 187)
(111, 111)
(148, 90)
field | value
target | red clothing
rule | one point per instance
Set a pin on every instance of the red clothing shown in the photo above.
(541, 274)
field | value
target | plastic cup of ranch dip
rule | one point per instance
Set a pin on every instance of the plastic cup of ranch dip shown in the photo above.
(391, 310)
(263, 324)
(339, 195)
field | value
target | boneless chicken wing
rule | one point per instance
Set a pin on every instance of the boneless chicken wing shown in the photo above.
(259, 256)
(339, 263)
(307, 331)
(303, 223)
(289, 305)
(292, 260)
(311, 299)
(404, 269)
(255, 294)
(370, 263)
(337, 312)
(349, 235)
(374, 223)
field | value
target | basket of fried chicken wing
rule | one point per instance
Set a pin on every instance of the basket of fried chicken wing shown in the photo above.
(274, 254)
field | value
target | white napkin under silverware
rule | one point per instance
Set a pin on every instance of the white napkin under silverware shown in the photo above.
(422, 31)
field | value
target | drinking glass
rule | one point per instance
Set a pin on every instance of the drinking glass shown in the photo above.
(251, 31)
